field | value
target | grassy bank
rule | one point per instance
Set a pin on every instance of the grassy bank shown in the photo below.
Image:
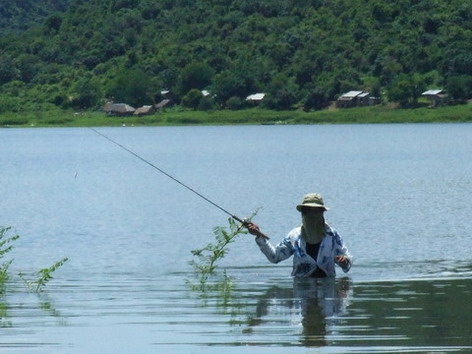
(365, 115)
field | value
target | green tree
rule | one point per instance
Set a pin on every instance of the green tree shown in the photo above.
(234, 83)
(228, 84)
(131, 86)
(195, 76)
(87, 94)
(206, 104)
(281, 93)
(192, 99)
(53, 23)
(28, 66)
(406, 89)
(8, 72)
(460, 87)
(316, 99)
(235, 103)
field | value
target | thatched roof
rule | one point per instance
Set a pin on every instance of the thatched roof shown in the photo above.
(144, 110)
(164, 103)
(118, 108)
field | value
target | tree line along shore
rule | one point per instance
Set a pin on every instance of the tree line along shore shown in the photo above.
(73, 55)
(255, 116)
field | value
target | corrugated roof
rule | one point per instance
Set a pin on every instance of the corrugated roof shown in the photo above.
(118, 108)
(163, 103)
(255, 97)
(352, 94)
(432, 92)
(143, 110)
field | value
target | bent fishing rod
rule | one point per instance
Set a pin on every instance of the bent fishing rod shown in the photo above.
(243, 222)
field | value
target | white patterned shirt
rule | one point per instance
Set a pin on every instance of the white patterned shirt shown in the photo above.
(332, 245)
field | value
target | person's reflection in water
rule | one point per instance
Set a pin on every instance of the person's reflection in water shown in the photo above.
(314, 325)
(315, 304)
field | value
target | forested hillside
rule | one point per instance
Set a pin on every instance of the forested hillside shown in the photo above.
(19, 15)
(301, 53)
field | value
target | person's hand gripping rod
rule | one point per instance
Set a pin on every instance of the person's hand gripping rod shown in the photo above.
(251, 227)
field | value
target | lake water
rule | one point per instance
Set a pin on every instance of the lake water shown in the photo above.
(400, 195)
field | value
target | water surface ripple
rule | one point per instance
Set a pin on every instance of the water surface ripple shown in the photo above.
(398, 194)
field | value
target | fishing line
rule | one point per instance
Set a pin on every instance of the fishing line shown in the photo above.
(243, 222)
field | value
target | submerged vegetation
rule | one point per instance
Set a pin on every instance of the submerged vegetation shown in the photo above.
(42, 277)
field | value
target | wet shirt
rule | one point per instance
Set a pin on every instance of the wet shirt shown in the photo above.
(304, 265)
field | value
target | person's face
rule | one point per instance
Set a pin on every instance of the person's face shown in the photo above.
(312, 213)
(312, 218)
(313, 224)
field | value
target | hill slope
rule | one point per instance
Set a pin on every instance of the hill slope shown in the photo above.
(299, 52)
(19, 15)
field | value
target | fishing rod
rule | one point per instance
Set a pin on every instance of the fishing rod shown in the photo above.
(243, 222)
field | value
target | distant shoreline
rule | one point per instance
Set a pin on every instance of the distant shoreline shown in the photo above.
(178, 117)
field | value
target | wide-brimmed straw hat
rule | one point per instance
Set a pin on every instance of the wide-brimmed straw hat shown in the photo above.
(312, 200)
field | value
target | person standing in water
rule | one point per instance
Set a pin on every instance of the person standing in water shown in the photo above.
(315, 246)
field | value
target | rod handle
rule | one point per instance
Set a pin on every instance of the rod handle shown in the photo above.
(246, 223)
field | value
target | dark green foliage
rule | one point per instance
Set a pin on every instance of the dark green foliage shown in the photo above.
(195, 76)
(19, 15)
(281, 93)
(460, 87)
(406, 89)
(88, 94)
(192, 99)
(230, 84)
(8, 72)
(131, 49)
(206, 104)
(316, 99)
(131, 86)
(235, 103)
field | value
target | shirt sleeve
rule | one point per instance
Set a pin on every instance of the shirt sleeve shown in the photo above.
(342, 250)
(282, 251)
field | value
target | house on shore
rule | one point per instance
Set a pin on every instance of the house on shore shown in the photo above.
(165, 93)
(255, 98)
(436, 97)
(356, 99)
(144, 110)
(165, 103)
(118, 109)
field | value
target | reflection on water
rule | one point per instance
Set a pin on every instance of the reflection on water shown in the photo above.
(164, 315)
(315, 304)
(435, 312)
(129, 232)
(408, 315)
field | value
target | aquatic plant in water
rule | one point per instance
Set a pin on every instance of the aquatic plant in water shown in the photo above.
(205, 263)
(43, 275)
(5, 248)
